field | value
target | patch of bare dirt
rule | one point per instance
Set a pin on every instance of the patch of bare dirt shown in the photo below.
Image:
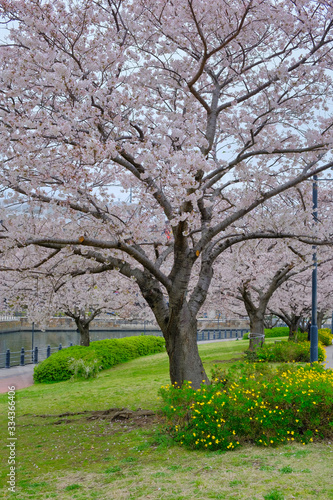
(137, 418)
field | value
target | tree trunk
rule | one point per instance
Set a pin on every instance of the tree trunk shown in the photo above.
(292, 320)
(293, 326)
(320, 318)
(256, 314)
(303, 324)
(181, 343)
(256, 328)
(83, 329)
(270, 321)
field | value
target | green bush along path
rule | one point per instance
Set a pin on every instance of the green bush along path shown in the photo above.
(100, 355)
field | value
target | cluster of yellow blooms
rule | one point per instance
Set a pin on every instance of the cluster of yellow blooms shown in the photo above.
(268, 408)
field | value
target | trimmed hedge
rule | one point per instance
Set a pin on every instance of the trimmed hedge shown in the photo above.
(279, 331)
(107, 353)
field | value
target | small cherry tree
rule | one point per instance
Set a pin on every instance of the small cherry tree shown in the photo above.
(293, 301)
(252, 272)
(86, 297)
(51, 286)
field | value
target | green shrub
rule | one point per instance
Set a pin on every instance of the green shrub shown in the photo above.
(285, 351)
(301, 337)
(59, 366)
(56, 367)
(325, 336)
(111, 352)
(279, 331)
(252, 403)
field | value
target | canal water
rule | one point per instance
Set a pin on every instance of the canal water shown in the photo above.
(16, 340)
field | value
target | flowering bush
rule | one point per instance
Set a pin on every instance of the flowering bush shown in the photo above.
(325, 336)
(285, 351)
(252, 403)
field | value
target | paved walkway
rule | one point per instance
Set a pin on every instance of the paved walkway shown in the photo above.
(21, 376)
(329, 360)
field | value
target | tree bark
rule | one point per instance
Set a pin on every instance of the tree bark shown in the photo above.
(256, 327)
(257, 323)
(181, 344)
(257, 318)
(293, 326)
(270, 322)
(177, 319)
(83, 328)
(321, 315)
(292, 320)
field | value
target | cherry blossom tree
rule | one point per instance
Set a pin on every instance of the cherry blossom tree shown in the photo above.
(45, 287)
(257, 270)
(86, 297)
(252, 271)
(292, 303)
(204, 110)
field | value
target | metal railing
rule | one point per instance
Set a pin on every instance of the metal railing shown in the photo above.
(221, 334)
(33, 356)
(27, 356)
(9, 317)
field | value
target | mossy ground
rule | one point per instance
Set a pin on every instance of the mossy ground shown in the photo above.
(74, 457)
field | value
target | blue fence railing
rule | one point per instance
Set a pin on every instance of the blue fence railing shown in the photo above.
(221, 334)
(27, 356)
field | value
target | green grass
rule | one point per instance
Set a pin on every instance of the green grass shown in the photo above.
(71, 457)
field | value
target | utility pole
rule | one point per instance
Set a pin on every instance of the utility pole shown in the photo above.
(314, 326)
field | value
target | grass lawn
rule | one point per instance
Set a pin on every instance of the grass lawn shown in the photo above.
(87, 456)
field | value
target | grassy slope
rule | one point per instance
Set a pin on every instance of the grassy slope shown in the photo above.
(75, 458)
